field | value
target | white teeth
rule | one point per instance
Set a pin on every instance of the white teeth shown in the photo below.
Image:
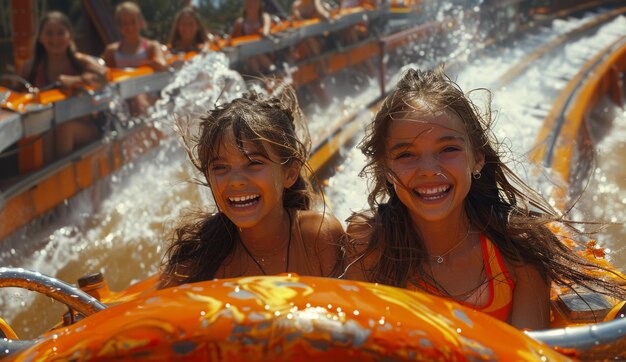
(242, 198)
(432, 190)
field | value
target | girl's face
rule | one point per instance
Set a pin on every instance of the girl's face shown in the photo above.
(248, 188)
(130, 24)
(433, 161)
(55, 37)
(187, 27)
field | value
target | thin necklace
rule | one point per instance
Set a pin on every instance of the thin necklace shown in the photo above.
(439, 258)
(245, 248)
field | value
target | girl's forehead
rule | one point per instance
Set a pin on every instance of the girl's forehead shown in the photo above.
(229, 145)
(128, 16)
(187, 17)
(53, 25)
(411, 125)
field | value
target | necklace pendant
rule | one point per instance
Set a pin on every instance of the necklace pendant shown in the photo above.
(439, 259)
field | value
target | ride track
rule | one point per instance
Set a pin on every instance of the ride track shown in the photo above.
(585, 338)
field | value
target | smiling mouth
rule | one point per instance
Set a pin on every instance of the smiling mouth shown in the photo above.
(244, 201)
(432, 193)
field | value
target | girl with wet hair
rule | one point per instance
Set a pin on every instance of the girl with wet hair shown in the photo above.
(255, 165)
(448, 217)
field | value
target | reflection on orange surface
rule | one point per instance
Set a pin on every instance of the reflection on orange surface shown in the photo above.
(288, 317)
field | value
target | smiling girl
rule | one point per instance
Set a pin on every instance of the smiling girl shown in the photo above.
(448, 217)
(188, 34)
(56, 62)
(254, 164)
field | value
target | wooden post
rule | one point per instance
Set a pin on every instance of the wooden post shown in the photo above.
(23, 25)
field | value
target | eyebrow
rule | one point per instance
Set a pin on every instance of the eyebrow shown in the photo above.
(439, 140)
(248, 155)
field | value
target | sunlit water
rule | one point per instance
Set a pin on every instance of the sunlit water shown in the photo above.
(125, 234)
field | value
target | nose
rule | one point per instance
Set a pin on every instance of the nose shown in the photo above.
(428, 166)
(237, 179)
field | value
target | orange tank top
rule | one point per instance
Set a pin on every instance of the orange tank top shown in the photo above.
(500, 287)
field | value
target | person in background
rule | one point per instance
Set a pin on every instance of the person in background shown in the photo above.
(56, 62)
(311, 47)
(448, 217)
(254, 21)
(309, 9)
(255, 165)
(188, 33)
(133, 50)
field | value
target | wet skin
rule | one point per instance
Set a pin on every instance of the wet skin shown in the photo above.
(248, 187)
(430, 162)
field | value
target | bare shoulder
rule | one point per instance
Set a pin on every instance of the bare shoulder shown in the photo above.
(323, 237)
(322, 226)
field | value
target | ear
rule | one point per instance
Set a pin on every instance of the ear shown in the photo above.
(479, 162)
(292, 172)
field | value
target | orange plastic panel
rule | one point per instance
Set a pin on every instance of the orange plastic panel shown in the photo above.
(288, 317)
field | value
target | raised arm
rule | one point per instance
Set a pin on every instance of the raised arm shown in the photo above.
(93, 74)
(156, 58)
(109, 55)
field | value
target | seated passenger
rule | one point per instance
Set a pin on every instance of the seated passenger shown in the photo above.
(188, 34)
(262, 222)
(448, 217)
(309, 9)
(56, 62)
(133, 50)
(254, 21)
(357, 32)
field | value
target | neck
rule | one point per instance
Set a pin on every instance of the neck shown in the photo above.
(132, 41)
(441, 237)
(186, 44)
(57, 58)
(267, 237)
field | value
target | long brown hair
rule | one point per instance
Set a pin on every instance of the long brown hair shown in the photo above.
(499, 204)
(201, 35)
(40, 56)
(200, 248)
